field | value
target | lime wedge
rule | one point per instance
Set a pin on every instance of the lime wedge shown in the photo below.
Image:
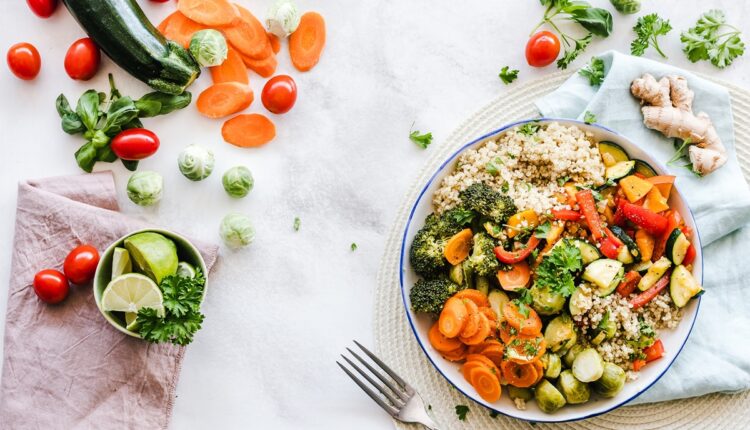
(130, 293)
(153, 255)
(185, 270)
(130, 323)
(121, 263)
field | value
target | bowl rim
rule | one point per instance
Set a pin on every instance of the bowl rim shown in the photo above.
(402, 269)
(110, 249)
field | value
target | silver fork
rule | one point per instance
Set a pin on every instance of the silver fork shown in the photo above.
(399, 399)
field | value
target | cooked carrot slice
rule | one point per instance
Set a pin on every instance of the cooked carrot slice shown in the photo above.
(530, 325)
(475, 296)
(516, 278)
(478, 348)
(208, 12)
(249, 130)
(469, 365)
(179, 28)
(440, 342)
(539, 369)
(486, 383)
(489, 313)
(307, 42)
(495, 353)
(457, 354)
(220, 100)
(275, 42)
(248, 35)
(506, 332)
(519, 375)
(231, 70)
(482, 333)
(453, 317)
(479, 358)
(472, 322)
(265, 67)
(458, 246)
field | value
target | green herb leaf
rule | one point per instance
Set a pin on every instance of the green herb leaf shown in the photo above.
(461, 411)
(507, 75)
(589, 117)
(529, 129)
(493, 414)
(571, 54)
(712, 39)
(354, 247)
(594, 71)
(557, 269)
(493, 167)
(88, 109)
(462, 216)
(648, 28)
(542, 231)
(297, 223)
(422, 140)
(120, 112)
(86, 157)
(71, 123)
(596, 20)
(523, 301)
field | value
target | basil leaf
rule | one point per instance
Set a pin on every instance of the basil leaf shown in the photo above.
(114, 93)
(134, 123)
(86, 157)
(147, 105)
(595, 20)
(120, 112)
(130, 164)
(147, 108)
(106, 154)
(88, 109)
(100, 139)
(62, 106)
(72, 124)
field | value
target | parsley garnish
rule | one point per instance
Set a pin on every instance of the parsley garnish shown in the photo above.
(594, 71)
(523, 300)
(492, 166)
(557, 269)
(182, 316)
(505, 187)
(422, 140)
(461, 411)
(508, 76)
(542, 231)
(529, 129)
(648, 28)
(297, 223)
(712, 39)
(493, 414)
(353, 247)
(462, 216)
(589, 117)
(562, 180)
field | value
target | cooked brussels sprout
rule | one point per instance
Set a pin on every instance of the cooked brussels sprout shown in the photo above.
(237, 230)
(546, 301)
(482, 283)
(570, 356)
(559, 331)
(579, 302)
(196, 162)
(574, 390)
(552, 365)
(548, 398)
(520, 393)
(238, 181)
(145, 188)
(611, 382)
(588, 365)
(282, 18)
(208, 47)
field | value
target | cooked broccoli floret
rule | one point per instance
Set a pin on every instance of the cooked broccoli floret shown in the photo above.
(426, 253)
(430, 295)
(488, 202)
(482, 258)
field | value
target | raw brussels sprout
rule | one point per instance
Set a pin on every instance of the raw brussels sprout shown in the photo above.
(520, 393)
(145, 188)
(548, 398)
(574, 390)
(237, 230)
(626, 6)
(552, 365)
(196, 162)
(588, 365)
(545, 301)
(238, 181)
(559, 332)
(611, 382)
(283, 18)
(570, 356)
(209, 48)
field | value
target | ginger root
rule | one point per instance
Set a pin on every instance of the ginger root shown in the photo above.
(668, 108)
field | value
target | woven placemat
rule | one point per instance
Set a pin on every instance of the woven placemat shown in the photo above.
(396, 345)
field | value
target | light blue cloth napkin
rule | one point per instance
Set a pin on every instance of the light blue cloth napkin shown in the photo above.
(717, 355)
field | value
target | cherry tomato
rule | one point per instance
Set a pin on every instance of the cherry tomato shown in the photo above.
(24, 61)
(42, 8)
(80, 264)
(542, 49)
(135, 144)
(51, 286)
(279, 94)
(82, 59)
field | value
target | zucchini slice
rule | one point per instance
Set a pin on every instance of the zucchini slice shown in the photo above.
(578, 302)
(619, 170)
(683, 286)
(614, 150)
(604, 274)
(654, 273)
(642, 266)
(633, 249)
(677, 246)
(644, 169)
(623, 255)
(498, 299)
(589, 253)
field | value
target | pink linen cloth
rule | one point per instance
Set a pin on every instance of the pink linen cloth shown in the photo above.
(64, 366)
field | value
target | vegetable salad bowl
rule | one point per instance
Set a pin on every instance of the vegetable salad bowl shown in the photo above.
(673, 339)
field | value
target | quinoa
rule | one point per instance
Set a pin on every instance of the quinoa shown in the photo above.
(529, 169)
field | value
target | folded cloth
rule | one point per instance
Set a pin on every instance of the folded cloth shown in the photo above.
(64, 365)
(717, 355)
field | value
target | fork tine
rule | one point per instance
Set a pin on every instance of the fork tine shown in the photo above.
(396, 402)
(385, 380)
(383, 366)
(388, 408)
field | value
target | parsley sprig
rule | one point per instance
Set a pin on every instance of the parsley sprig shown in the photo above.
(593, 71)
(423, 140)
(461, 411)
(648, 28)
(712, 39)
(507, 75)
(558, 269)
(589, 117)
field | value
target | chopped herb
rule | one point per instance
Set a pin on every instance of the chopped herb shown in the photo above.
(594, 71)
(563, 180)
(297, 223)
(534, 254)
(353, 247)
(493, 414)
(429, 407)
(522, 301)
(605, 320)
(461, 411)
(542, 231)
(492, 166)
(681, 150)
(508, 76)
(712, 39)
(557, 270)
(462, 216)
(529, 129)
(648, 28)
(422, 140)
(505, 187)
(510, 155)
(589, 117)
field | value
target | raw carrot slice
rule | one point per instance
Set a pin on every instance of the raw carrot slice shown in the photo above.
(265, 67)
(453, 317)
(248, 35)
(520, 375)
(307, 42)
(231, 70)
(457, 354)
(529, 325)
(208, 12)
(482, 333)
(440, 342)
(495, 353)
(486, 383)
(249, 130)
(515, 278)
(179, 28)
(476, 296)
(458, 246)
(220, 100)
(275, 42)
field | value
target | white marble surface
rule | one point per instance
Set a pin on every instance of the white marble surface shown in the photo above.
(280, 312)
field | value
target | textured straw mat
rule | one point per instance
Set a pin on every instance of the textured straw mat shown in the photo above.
(396, 344)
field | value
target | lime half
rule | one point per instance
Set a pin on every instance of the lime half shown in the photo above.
(130, 322)
(153, 254)
(121, 262)
(130, 293)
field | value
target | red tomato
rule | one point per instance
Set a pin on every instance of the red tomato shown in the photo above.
(42, 8)
(279, 94)
(82, 59)
(542, 49)
(80, 264)
(51, 286)
(135, 144)
(24, 61)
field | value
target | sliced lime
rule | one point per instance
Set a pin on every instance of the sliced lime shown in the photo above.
(185, 270)
(130, 293)
(121, 262)
(153, 254)
(130, 321)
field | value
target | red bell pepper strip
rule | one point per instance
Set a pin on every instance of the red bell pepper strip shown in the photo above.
(628, 284)
(690, 255)
(619, 217)
(674, 219)
(655, 351)
(648, 220)
(585, 200)
(638, 364)
(512, 257)
(566, 214)
(609, 247)
(614, 237)
(648, 295)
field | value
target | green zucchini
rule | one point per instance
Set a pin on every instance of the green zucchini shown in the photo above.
(654, 273)
(642, 266)
(632, 247)
(683, 286)
(619, 170)
(122, 31)
(614, 150)
(498, 299)
(589, 252)
(644, 169)
(677, 246)
(604, 274)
